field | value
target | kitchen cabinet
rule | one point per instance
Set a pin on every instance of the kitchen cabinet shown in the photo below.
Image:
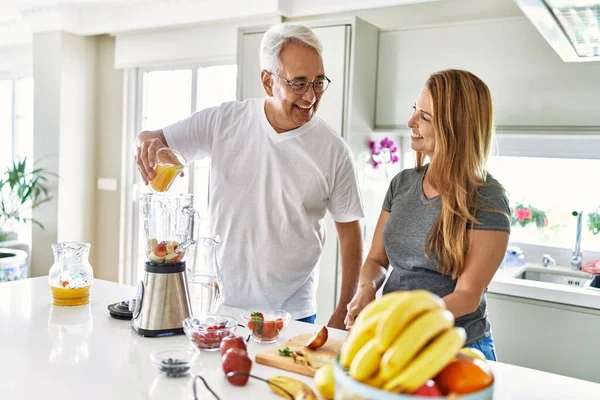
(348, 106)
(551, 337)
(531, 86)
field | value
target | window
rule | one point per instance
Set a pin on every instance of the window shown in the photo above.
(167, 96)
(555, 174)
(554, 187)
(16, 131)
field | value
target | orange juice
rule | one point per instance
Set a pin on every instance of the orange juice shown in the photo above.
(164, 175)
(64, 296)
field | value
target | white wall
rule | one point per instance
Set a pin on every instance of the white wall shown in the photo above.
(213, 42)
(530, 84)
(109, 139)
(46, 127)
(64, 139)
(77, 138)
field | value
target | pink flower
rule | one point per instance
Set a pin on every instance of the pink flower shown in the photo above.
(523, 214)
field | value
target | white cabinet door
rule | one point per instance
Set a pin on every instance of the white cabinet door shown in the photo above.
(249, 83)
(336, 41)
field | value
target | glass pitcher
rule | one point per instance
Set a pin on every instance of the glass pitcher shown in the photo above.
(204, 278)
(71, 275)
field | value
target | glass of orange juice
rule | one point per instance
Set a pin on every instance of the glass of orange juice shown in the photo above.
(169, 165)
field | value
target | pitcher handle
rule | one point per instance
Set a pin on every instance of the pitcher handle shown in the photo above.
(195, 215)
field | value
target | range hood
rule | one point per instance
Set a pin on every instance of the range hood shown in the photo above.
(571, 27)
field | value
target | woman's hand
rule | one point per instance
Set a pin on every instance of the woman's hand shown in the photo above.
(363, 296)
(591, 267)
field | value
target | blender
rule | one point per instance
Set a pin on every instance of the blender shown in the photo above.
(170, 228)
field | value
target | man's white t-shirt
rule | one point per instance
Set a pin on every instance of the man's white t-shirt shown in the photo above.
(269, 193)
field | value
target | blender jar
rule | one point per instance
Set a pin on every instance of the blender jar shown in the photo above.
(170, 226)
(71, 275)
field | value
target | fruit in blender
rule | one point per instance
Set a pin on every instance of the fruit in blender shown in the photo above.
(161, 249)
(163, 252)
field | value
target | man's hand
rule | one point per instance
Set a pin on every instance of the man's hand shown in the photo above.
(591, 267)
(337, 319)
(148, 143)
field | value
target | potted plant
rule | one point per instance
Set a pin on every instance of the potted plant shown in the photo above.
(524, 215)
(21, 191)
(593, 221)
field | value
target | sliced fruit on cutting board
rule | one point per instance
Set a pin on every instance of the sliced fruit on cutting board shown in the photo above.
(301, 360)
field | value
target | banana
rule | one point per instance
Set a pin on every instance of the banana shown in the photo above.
(378, 306)
(366, 362)
(285, 386)
(359, 335)
(402, 312)
(376, 380)
(412, 339)
(428, 362)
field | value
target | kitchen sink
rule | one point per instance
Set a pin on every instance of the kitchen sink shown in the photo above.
(593, 283)
(560, 276)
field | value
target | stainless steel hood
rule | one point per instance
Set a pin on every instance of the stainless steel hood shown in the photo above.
(571, 27)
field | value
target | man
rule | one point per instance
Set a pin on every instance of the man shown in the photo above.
(276, 168)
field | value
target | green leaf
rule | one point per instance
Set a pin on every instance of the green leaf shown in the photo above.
(22, 191)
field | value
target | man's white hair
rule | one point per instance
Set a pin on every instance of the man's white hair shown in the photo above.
(281, 35)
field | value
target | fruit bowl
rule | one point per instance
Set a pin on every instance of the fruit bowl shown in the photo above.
(347, 388)
(266, 325)
(206, 331)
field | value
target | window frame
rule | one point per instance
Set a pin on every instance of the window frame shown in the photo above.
(13, 78)
(128, 268)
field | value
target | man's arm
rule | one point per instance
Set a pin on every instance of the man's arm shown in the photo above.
(351, 251)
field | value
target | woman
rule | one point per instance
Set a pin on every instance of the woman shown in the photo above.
(444, 226)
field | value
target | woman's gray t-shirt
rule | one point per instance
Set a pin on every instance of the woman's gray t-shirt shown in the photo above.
(406, 232)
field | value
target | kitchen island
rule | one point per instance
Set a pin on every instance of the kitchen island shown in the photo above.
(82, 353)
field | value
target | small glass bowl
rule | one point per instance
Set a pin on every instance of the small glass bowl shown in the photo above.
(267, 329)
(174, 362)
(206, 331)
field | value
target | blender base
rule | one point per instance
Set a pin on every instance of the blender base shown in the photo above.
(157, 333)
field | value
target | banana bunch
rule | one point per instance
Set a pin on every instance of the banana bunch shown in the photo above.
(286, 386)
(401, 340)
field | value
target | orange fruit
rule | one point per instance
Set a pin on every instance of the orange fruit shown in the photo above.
(464, 376)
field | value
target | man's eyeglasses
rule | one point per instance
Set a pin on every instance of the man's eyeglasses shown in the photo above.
(319, 85)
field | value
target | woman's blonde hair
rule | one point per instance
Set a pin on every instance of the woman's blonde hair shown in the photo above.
(463, 129)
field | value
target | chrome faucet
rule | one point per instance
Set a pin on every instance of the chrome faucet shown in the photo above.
(577, 256)
(547, 260)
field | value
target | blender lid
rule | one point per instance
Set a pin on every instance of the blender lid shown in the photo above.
(120, 310)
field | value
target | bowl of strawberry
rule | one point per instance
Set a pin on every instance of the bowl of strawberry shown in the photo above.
(266, 325)
(206, 331)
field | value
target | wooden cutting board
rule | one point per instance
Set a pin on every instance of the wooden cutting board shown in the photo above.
(315, 358)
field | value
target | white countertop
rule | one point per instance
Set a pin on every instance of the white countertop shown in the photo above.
(505, 283)
(81, 352)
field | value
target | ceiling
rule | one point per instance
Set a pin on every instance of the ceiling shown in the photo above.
(20, 18)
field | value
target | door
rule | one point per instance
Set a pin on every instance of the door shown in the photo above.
(336, 41)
